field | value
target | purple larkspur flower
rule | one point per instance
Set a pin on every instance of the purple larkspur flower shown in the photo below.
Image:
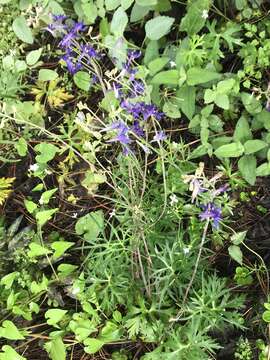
(67, 40)
(72, 64)
(137, 88)
(88, 50)
(117, 125)
(95, 79)
(132, 108)
(122, 138)
(77, 27)
(59, 18)
(137, 129)
(150, 110)
(57, 25)
(211, 212)
(221, 190)
(122, 132)
(133, 54)
(159, 136)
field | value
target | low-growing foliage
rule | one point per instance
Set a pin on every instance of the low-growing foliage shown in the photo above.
(133, 139)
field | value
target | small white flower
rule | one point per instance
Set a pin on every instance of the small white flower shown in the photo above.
(33, 167)
(205, 14)
(41, 201)
(112, 213)
(186, 250)
(75, 215)
(173, 199)
(172, 64)
(75, 290)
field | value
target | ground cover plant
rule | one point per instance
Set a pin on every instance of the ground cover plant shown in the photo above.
(134, 179)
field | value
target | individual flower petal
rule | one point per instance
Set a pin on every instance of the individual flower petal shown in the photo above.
(160, 136)
(137, 129)
(211, 212)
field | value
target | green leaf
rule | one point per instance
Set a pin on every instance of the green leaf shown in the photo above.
(263, 170)
(37, 250)
(60, 247)
(47, 75)
(239, 237)
(252, 146)
(10, 354)
(82, 80)
(33, 57)
(242, 130)
(252, 105)
(158, 27)
(169, 77)
(151, 52)
(46, 196)
(158, 64)
(225, 86)
(54, 316)
(222, 100)
(209, 96)
(236, 253)
(30, 206)
(90, 225)
(112, 4)
(92, 181)
(139, 12)
(266, 316)
(90, 11)
(171, 110)
(126, 4)
(8, 279)
(247, 166)
(197, 76)
(264, 117)
(21, 147)
(10, 331)
(43, 216)
(119, 22)
(193, 21)
(186, 97)
(146, 2)
(22, 30)
(92, 345)
(198, 152)
(47, 152)
(56, 349)
(230, 150)
(66, 269)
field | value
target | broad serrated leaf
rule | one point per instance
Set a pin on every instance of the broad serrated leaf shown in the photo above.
(242, 130)
(252, 146)
(22, 30)
(169, 77)
(247, 166)
(198, 75)
(263, 170)
(230, 150)
(186, 97)
(194, 20)
(119, 22)
(158, 27)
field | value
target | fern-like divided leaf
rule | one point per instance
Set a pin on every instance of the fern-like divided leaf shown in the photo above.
(5, 188)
